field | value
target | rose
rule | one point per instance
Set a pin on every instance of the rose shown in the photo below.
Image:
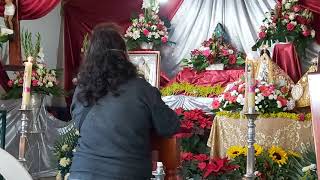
(10, 83)
(35, 82)
(262, 34)
(301, 20)
(224, 52)
(215, 104)
(296, 8)
(164, 39)
(232, 59)
(206, 52)
(146, 32)
(292, 16)
(290, 26)
(306, 33)
(283, 101)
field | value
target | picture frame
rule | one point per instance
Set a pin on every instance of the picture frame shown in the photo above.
(148, 64)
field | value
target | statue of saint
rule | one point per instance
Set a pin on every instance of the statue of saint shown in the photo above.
(9, 11)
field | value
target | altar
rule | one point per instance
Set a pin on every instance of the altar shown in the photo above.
(288, 133)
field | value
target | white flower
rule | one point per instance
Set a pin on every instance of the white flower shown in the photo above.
(291, 104)
(284, 1)
(64, 162)
(234, 93)
(294, 23)
(287, 6)
(77, 132)
(279, 105)
(74, 150)
(53, 72)
(308, 168)
(303, 27)
(65, 147)
(225, 104)
(156, 35)
(136, 34)
(256, 108)
(313, 33)
(146, 4)
(292, 16)
(271, 96)
(230, 51)
(285, 21)
(50, 84)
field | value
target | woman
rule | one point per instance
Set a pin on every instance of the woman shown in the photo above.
(119, 110)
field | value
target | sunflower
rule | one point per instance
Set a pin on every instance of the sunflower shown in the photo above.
(257, 150)
(234, 151)
(278, 155)
(294, 154)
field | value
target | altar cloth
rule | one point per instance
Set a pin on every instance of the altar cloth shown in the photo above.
(287, 133)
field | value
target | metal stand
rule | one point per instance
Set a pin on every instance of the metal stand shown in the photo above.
(23, 135)
(251, 140)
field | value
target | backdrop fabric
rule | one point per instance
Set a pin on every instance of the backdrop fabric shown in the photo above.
(80, 16)
(32, 9)
(3, 78)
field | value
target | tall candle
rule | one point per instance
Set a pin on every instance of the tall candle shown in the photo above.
(251, 90)
(26, 92)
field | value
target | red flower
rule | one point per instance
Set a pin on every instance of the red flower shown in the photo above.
(209, 124)
(34, 82)
(160, 26)
(10, 83)
(262, 34)
(301, 20)
(187, 124)
(232, 59)
(146, 32)
(296, 8)
(224, 52)
(201, 157)
(203, 122)
(301, 117)
(34, 73)
(219, 165)
(20, 81)
(284, 90)
(179, 111)
(215, 104)
(282, 100)
(227, 96)
(290, 27)
(306, 33)
(202, 166)
(164, 39)
(186, 156)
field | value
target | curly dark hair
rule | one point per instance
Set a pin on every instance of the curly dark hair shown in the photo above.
(106, 65)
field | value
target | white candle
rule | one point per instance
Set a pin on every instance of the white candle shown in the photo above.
(26, 92)
(251, 93)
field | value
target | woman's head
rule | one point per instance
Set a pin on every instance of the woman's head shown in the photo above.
(106, 65)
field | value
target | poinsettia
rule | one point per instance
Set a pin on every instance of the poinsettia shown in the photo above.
(288, 22)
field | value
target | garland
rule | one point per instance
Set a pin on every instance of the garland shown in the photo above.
(192, 90)
(285, 115)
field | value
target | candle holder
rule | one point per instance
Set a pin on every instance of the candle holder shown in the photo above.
(23, 134)
(251, 116)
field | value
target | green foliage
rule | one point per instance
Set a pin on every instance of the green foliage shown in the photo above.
(30, 48)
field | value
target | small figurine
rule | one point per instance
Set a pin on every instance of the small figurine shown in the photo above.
(9, 11)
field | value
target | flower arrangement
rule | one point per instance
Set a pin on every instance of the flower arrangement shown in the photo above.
(196, 125)
(269, 98)
(200, 166)
(285, 115)
(63, 150)
(288, 22)
(272, 163)
(214, 51)
(191, 90)
(44, 80)
(147, 28)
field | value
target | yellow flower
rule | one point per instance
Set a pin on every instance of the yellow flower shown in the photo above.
(293, 153)
(234, 151)
(257, 150)
(278, 155)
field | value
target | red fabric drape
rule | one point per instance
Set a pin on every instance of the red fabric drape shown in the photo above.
(80, 16)
(32, 9)
(314, 5)
(3, 78)
(286, 57)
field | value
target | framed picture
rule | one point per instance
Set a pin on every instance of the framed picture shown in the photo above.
(148, 64)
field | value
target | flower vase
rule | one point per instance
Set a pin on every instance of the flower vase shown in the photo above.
(37, 124)
(146, 45)
(215, 67)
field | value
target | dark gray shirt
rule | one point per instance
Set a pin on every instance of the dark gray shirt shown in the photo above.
(115, 135)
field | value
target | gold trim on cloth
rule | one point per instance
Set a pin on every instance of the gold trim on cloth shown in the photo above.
(287, 133)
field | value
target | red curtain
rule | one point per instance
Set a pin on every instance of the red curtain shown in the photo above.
(80, 16)
(3, 78)
(32, 9)
(314, 5)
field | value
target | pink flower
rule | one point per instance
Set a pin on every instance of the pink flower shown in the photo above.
(306, 33)
(10, 83)
(146, 32)
(301, 117)
(263, 28)
(202, 166)
(206, 52)
(262, 34)
(232, 59)
(282, 100)
(34, 82)
(164, 39)
(225, 52)
(215, 104)
(290, 27)
(296, 8)
(20, 81)
(179, 111)
(34, 73)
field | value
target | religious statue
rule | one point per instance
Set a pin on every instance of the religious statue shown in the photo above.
(144, 69)
(9, 11)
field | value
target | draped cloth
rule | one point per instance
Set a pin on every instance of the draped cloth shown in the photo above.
(3, 78)
(33, 9)
(285, 56)
(287, 133)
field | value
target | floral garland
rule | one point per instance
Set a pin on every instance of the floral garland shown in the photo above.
(284, 115)
(287, 22)
(191, 90)
(213, 51)
(268, 99)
